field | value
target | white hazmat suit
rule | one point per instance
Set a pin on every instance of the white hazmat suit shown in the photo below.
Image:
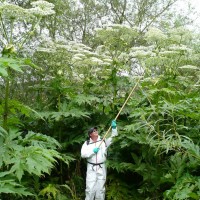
(96, 169)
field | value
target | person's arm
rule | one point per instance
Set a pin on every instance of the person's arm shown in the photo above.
(88, 151)
(113, 134)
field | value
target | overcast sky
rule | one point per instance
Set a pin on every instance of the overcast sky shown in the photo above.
(182, 6)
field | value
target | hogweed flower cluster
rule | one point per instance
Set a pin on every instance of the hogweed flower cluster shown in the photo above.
(12, 12)
(141, 51)
(42, 8)
(155, 34)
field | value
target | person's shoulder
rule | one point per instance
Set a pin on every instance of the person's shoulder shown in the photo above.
(86, 141)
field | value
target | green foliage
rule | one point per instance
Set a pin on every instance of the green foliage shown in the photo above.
(186, 187)
(10, 186)
(14, 64)
(15, 107)
(85, 83)
(50, 191)
(120, 167)
(35, 154)
(39, 140)
(118, 189)
(76, 113)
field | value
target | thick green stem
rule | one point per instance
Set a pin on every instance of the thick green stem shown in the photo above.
(6, 109)
(114, 84)
(61, 163)
(11, 31)
(3, 28)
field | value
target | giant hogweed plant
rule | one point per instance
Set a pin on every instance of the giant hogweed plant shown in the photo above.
(163, 118)
(163, 137)
(33, 154)
(17, 27)
(23, 157)
(153, 119)
(161, 144)
(165, 110)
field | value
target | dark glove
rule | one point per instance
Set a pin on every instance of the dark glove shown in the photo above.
(113, 124)
(95, 150)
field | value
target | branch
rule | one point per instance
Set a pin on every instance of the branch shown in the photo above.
(156, 16)
(29, 34)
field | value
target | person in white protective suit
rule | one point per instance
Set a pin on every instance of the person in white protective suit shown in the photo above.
(96, 157)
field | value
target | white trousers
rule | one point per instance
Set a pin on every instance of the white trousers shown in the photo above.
(95, 182)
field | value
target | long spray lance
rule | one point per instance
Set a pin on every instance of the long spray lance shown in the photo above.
(121, 110)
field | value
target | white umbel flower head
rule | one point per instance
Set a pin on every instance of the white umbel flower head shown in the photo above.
(42, 8)
(155, 34)
(11, 11)
(96, 60)
(179, 48)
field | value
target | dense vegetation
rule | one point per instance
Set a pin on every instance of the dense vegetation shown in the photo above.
(66, 66)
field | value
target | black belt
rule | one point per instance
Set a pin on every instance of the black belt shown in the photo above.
(95, 164)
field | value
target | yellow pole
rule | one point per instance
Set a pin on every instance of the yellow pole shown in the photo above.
(121, 109)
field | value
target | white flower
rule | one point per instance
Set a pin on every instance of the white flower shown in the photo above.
(190, 67)
(107, 60)
(79, 55)
(48, 50)
(59, 72)
(96, 60)
(42, 8)
(100, 49)
(143, 48)
(88, 52)
(155, 34)
(179, 48)
(11, 11)
(80, 46)
(106, 63)
(123, 56)
(168, 53)
(62, 46)
(75, 58)
(140, 53)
